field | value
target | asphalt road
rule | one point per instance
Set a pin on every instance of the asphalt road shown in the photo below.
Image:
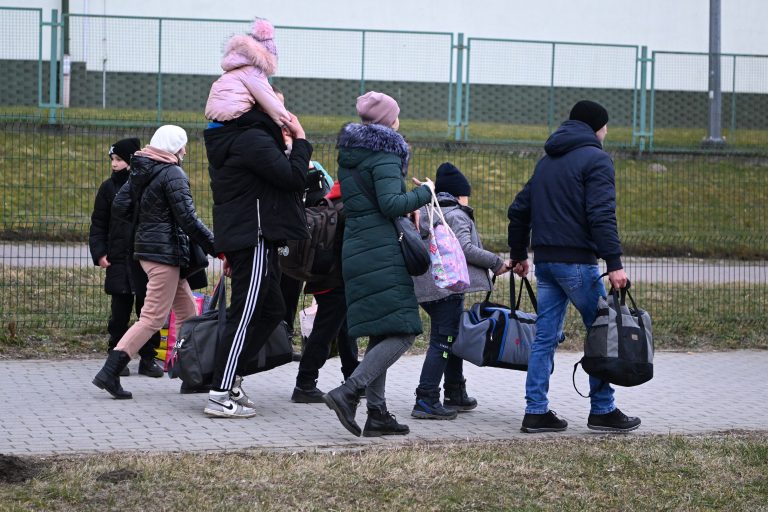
(670, 270)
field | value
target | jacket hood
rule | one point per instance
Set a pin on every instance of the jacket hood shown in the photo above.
(367, 138)
(243, 50)
(449, 203)
(144, 169)
(569, 136)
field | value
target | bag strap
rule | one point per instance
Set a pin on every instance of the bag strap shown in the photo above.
(531, 295)
(220, 299)
(602, 382)
(493, 285)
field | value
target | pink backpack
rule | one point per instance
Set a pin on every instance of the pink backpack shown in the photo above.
(449, 266)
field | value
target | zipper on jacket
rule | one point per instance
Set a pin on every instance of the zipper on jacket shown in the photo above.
(258, 217)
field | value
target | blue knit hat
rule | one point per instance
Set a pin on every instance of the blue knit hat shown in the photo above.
(450, 179)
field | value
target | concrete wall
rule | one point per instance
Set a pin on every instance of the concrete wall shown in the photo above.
(418, 100)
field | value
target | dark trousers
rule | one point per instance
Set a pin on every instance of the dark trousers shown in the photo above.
(444, 316)
(330, 324)
(119, 319)
(256, 308)
(291, 291)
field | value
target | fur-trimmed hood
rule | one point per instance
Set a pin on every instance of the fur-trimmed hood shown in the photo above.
(374, 137)
(244, 50)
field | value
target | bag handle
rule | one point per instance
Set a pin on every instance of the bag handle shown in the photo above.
(620, 299)
(529, 289)
(220, 299)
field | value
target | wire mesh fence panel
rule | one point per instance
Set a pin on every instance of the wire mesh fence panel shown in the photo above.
(522, 90)
(20, 51)
(680, 100)
(693, 226)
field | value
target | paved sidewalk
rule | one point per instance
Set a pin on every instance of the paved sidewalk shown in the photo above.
(52, 407)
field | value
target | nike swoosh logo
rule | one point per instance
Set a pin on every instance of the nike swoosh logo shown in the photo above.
(230, 406)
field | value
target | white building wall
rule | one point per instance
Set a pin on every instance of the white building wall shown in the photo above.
(680, 25)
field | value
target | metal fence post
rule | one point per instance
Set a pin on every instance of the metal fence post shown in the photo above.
(159, 70)
(653, 101)
(551, 103)
(732, 132)
(459, 91)
(53, 72)
(467, 96)
(643, 96)
(362, 64)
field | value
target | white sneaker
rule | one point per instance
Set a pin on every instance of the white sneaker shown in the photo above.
(225, 408)
(238, 396)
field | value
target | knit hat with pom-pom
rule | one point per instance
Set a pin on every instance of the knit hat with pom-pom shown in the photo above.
(263, 31)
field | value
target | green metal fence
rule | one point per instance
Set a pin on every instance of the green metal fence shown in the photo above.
(525, 89)
(129, 68)
(693, 226)
(679, 100)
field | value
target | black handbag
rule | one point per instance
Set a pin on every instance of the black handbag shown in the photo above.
(198, 260)
(194, 356)
(415, 252)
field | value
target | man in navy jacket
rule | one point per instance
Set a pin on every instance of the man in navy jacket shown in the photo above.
(568, 212)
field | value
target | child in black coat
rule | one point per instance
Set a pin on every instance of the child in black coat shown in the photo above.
(109, 241)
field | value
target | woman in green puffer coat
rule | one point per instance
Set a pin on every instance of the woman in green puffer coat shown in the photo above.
(381, 304)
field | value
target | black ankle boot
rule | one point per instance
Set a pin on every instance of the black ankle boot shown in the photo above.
(456, 397)
(148, 367)
(343, 401)
(108, 377)
(383, 423)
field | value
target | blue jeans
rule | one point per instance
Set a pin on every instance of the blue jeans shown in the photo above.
(558, 284)
(444, 315)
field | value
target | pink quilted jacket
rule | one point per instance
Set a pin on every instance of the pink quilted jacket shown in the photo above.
(247, 64)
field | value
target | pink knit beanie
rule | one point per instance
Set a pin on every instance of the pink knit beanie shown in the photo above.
(263, 31)
(377, 108)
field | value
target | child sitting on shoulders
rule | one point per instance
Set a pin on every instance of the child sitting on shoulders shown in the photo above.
(249, 60)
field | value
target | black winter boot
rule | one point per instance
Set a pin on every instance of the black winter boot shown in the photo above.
(126, 371)
(428, 406)
(148, 367)
(108, 377)
(343, 401)
(381, 422)
(456, 397)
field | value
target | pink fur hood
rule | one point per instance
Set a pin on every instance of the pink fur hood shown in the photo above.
(244, 50)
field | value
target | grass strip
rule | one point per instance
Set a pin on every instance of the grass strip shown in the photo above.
(727, 471)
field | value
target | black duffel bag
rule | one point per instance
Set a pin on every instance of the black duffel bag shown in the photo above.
(194, 354)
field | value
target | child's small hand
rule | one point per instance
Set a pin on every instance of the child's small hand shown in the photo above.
(104, 262)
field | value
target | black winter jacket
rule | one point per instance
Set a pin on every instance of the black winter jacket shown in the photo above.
(568, 207)
(256, 189)
(110, 236)
(166, 215)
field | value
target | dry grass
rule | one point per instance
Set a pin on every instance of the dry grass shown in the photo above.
(719, 472)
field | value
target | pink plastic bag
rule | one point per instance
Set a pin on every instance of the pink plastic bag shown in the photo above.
(201, 305)
(449, 266)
